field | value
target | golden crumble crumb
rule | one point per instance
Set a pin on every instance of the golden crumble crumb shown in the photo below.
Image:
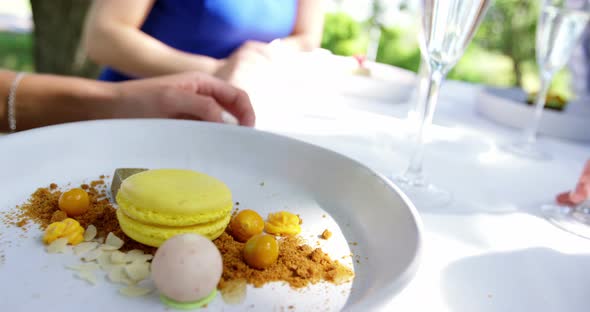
(22, 223)
(42, 209)
(298, 264)
(326, 234)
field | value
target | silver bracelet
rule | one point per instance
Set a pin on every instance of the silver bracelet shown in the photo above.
(12, 101)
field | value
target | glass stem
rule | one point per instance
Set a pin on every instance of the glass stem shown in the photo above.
(414, 172)
(416, 113)
(530, 133)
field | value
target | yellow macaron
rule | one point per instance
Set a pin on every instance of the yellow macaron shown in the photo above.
(155, 205)
(155, 235)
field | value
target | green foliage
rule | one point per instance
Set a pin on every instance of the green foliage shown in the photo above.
(501, 54)
(345, 36)
(509, 29)
(342, 35)
(561, 83)
(15, 51)
(482, 66)
(399, 48)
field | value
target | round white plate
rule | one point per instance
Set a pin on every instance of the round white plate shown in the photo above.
(387, 83)
(508, 107)
(265, 172)
(323, 75)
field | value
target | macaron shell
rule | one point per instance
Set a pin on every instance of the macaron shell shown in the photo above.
(188, 305)
(174, 197)
(156, 235)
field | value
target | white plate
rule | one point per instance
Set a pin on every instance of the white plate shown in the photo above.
(387, 83)
(361, 206)
(324, 75)
(508, 107)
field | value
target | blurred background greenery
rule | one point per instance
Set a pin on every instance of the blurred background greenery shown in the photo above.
(501, 54)
(16, 51)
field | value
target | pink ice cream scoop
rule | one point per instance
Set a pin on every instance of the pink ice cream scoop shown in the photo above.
(187, 268)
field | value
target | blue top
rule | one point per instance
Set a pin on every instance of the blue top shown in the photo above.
(215, 28)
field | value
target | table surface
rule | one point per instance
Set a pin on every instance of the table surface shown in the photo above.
(490, 249)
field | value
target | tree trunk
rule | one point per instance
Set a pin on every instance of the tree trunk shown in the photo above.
(509, 50)
(519, 31)
(57, 31)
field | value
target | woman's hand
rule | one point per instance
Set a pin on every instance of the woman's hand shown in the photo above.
(249, 57)
(43, 100)
(188, 96)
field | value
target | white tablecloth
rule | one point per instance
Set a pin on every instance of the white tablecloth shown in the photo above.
(490, 250)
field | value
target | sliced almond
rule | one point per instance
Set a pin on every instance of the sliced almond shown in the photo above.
(118, 257)
(117, 275)
(234, 291)
(137, 257)
(87, 276)
(90, 233)
(134, 291)
(104, 260)
(84, 267)
(108, 248)
(114, 241)
(58, 245)
(84, 247)
(92, 255)
(134, 252)
(138, 271)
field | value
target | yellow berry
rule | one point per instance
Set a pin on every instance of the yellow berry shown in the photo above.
(74, 202)
(246, 224)
(261, 251)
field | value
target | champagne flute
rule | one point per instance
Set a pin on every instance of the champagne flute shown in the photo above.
(572, 210)
(447, 28)
(416, 100)
(559, 29)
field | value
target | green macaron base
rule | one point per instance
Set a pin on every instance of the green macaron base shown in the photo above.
(190, 305)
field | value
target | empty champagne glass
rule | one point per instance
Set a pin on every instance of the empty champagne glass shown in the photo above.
(559, 29)
(571, 211)
(575, 219)
(447, 28)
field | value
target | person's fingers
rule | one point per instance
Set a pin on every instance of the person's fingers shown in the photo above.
(242, 109)
(230, 98)
(229, 118)
(199, 107)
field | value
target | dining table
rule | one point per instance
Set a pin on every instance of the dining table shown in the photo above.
(490, 249)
